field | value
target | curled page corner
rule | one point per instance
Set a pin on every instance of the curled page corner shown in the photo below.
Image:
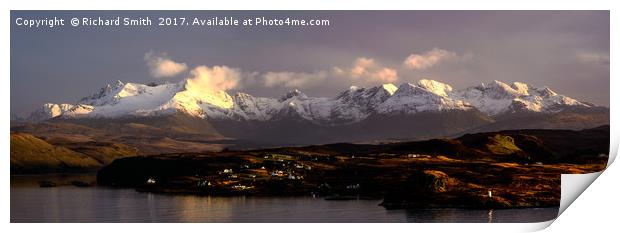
(533, 227)
(573, 185)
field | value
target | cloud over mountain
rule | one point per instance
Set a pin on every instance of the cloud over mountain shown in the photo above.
(162, 66)
(428, 59)
(369, 70)
(216, 78)
(363, 71)
(294, 79)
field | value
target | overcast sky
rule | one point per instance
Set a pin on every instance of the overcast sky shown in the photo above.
(565, 50)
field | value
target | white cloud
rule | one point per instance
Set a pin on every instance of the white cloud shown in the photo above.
(593, 58)
(364, 71)
(386, 75)
(216, 78)
(161, 66)
(361, 65)
(294, 79)
(368, 71)
(428, 59)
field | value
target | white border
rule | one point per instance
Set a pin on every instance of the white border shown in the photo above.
(600, 189)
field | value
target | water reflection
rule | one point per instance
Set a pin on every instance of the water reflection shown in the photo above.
(207, 209)
(482, 216)
(29, 203)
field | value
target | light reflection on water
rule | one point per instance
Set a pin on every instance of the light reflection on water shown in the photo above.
(30, 203)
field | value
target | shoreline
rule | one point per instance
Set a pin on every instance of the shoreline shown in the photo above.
(322, 198)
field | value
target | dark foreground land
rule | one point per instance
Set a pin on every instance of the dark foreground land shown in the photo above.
(507, 169)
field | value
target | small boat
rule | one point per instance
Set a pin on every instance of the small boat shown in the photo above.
(46, 184)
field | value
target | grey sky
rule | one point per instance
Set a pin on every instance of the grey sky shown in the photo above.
(565, 50)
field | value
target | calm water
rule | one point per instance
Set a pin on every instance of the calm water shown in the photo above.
(29, 203)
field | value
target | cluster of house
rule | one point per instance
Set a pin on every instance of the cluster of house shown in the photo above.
(229, 173)
(302, 166)
(277, 173)
(289, 175)
(276, 165)
(284, 166)
(242, 187)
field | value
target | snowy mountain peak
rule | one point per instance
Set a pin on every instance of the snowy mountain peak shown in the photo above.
(423, 88)
(352, 105)
(426, 95)
(498, 87)
(498, 90)
(49, 110)
(118, 83)
(199, 102)
(390, 88)
(294, 93)
(375, 94)
(98, 98)
(497, 98)
(520, 88)
(545, 91)
(435, 87)
(406, 89)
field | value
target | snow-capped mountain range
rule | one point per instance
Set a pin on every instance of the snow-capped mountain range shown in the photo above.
(353, 105)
